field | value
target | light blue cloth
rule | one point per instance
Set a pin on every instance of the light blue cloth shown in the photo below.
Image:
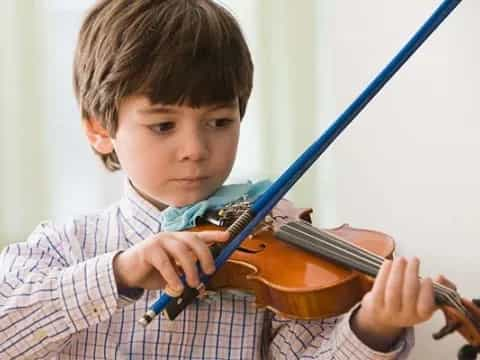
(176, 219)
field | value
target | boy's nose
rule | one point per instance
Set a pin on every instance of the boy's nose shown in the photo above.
(193, 147)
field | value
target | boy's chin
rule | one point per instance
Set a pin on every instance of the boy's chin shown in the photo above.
(172, 199)
(181, 198)
(188, 200)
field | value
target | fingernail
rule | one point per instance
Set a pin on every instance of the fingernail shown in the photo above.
(195, 283)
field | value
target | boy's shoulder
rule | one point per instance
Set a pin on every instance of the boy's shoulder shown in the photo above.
(72, 224)
(77, 234)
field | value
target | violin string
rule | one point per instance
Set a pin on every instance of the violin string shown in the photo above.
(449, 295)
(365, 253)
(452, 298)
(336, 240)
(340, 251)
(443, 294)
(349, 254)
(337, 243)
(359, 259)
(345, 255)
(455, 301)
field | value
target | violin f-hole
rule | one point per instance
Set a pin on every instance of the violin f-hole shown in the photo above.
(260, 248)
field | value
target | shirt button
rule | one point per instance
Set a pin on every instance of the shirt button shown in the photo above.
(93, 309)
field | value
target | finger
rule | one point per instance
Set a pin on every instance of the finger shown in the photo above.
(394, 285)
(163, 264)
(411, 286)
(426, 300)
(214, 236)
(445, 282)
(378, 289)
(185, 258)
(201, 251)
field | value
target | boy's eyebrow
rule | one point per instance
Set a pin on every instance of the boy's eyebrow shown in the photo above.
(228, 104)
(166, 109)
(155, 109)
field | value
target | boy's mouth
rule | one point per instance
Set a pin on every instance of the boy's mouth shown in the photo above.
(191, 179)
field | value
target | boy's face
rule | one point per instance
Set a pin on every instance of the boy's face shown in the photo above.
(176, 155)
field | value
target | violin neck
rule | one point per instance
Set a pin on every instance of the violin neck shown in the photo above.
(330, 246)
(349, 255)
(346, 254)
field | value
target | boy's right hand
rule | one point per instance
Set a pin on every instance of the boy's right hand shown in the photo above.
(157, 261)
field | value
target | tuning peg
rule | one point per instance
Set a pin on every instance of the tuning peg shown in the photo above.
(468, 352)
(447, 329)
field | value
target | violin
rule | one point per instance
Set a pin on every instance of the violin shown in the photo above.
(302, 272)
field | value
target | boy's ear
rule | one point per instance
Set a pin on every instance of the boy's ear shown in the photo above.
(98, 136)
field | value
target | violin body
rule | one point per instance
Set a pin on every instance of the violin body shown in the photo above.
(293, 282)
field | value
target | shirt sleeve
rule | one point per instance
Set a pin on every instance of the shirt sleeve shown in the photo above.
(47, 295)
(328, 339)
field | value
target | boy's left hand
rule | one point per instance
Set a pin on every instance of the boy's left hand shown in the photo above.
(398, 299)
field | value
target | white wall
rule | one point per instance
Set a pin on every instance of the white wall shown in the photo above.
(408, 165)
(78, 181)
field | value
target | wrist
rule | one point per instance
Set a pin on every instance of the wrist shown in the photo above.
(378, 336)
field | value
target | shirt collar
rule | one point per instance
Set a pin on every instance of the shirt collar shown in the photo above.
(136, 208)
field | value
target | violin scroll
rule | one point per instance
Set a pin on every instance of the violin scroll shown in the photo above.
(462, 315)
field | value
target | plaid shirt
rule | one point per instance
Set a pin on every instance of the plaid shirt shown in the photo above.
(58, 299)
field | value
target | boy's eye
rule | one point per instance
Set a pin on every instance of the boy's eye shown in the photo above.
(220, 123)
(162, 127)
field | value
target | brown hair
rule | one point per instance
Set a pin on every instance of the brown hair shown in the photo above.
(172, 51)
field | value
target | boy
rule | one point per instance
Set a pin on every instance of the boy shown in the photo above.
(162, 86)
